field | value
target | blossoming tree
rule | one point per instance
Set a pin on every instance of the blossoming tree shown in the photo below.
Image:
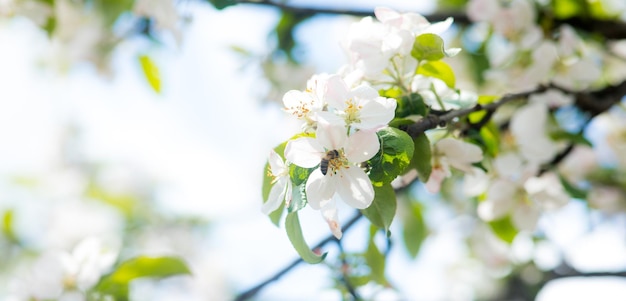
(483, 110)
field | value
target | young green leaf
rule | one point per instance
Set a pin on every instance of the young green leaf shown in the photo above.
(414, 230)
(151, 71)
(375, 260)
(440, 70)
(421, 159)
(396, 150)
(116, 284)
(428, 47)
(294, 232)
(412, 104)
(573, 191)
(504, 229)
(383, 208)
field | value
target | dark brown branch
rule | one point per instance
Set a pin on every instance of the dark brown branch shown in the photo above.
(256, 289)
(459, 17)
(609, 29)
(433, 121)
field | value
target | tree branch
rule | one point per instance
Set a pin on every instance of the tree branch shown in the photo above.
(257, 288)
(610, 29)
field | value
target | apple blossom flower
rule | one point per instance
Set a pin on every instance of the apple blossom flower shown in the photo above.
(450, 152)
(528, 126)
(386, 45)
(343, 177)
(282, 187)
(361, 107)
(517, 192)
(305, 104)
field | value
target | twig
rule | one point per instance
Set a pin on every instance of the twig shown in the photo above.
(256, 289)
(433, 121)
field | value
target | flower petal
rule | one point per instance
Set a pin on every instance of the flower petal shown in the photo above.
(319, 189)
(276, 197)
(354, 187)
(305, 152)
(336, 92)
(331, 136)
(433, 185)
(329, 212)
(277, 166)
(361, 146)
(376, 113)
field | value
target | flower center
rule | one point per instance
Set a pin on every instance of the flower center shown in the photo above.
(300, 110)
(352, 111)
(335, 160)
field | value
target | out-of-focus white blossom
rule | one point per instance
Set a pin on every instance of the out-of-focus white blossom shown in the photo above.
(450, 152)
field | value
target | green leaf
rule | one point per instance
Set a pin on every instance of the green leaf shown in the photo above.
(383, 209)
(396, 150)
(571, 137)
(375, 260)
(490, 137)
(116, 284)
(421, 159)
(298, 174)
(412, 104)
(151, 71)
(564, 9)
(398, 122)
(573, 191)
(124, 202)
(294, 232)
(414, 231)
(440, 70)
(221, 4)
(285, 31)
(504, 229)
(299, 199)
(428, 47)
(7, 226)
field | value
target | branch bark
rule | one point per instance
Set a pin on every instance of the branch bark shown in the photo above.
(610, 29)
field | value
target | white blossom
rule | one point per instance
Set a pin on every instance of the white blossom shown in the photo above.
(342, 177)
(281, 190)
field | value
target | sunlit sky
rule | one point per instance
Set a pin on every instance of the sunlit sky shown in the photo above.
(205, 140)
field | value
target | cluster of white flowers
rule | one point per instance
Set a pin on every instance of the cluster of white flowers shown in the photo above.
(344, 121)
(342, 112)
(522, 56)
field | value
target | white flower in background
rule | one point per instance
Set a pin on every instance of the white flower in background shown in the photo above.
(450, 152)
(61, 275)
(79, 34)
(439, 96)
(342, 176)
(547, 191)
(36, 11)
(89, 260)
(608, 199)
(517, 192)
(305, 104)
(528, 126)
(515, 21)
(361, 107)
(282, 188)
(373, 45)
(580, 162)
(552, 98)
